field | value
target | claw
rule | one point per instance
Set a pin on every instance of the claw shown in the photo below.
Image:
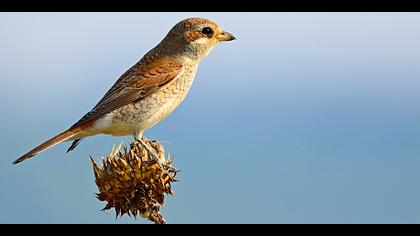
(144, 142)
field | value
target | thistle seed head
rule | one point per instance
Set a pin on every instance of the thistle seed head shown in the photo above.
(133, 183)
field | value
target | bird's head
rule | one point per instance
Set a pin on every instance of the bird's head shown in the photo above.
(195, 37)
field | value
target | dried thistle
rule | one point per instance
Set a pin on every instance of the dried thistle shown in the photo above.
(131, 181)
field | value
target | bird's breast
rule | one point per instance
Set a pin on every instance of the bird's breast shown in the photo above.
(150, 110)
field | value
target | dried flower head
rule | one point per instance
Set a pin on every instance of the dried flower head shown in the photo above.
(133, 182)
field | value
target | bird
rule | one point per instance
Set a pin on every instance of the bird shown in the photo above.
(148, 91)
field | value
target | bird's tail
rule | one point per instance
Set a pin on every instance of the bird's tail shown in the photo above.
(47, 144)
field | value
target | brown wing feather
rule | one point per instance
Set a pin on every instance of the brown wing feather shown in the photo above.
(137, 83)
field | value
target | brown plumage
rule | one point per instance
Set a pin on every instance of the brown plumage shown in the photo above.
(138, 82)
(51, 142)
(150, 90)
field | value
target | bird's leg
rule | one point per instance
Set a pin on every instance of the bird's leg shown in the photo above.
(138, 137)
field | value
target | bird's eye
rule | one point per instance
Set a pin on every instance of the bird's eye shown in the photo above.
(207, 31)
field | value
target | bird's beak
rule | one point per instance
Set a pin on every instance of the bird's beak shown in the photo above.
(225, 36)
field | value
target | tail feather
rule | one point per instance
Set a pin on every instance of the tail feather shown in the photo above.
(44, 146)
(74, 144)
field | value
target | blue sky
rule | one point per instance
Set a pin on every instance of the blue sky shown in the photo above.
(306, 118)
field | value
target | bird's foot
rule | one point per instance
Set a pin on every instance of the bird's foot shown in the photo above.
(155, 157)
(144, 142)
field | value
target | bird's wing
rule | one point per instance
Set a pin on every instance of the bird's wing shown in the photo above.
(134, 85)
